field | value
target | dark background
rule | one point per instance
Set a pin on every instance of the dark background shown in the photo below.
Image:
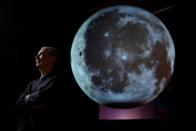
(26, 25)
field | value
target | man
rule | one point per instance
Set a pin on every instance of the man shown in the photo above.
(40, 106)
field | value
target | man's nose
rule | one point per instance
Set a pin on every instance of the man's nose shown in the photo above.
(36, 57)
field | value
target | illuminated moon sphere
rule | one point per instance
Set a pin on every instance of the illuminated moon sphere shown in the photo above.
(122, 56)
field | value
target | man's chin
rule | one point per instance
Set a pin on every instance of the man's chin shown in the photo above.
(37, 66)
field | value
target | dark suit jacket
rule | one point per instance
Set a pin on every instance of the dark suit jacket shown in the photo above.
(45, 107)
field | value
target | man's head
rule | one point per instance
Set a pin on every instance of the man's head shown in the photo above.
(47, 57)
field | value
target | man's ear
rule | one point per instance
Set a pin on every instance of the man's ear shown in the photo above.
(53, 59)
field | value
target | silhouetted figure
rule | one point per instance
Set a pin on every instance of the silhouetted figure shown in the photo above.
(42, 105)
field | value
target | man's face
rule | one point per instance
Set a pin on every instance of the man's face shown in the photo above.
(43, 59)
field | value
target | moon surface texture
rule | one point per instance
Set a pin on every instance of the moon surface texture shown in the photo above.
(122, 56)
